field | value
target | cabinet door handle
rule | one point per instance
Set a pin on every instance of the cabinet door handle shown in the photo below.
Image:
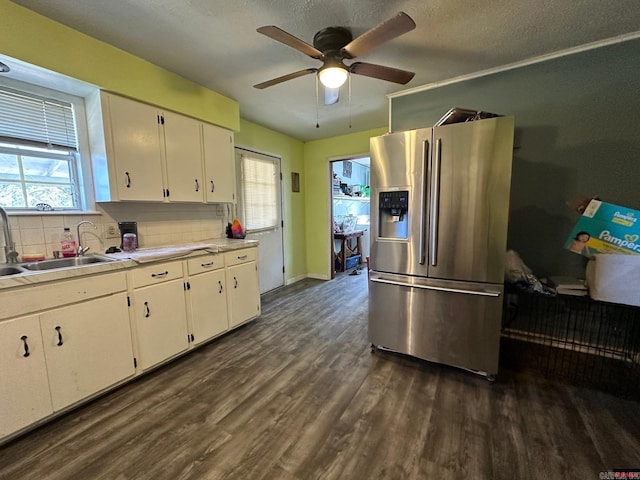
(206, 265)
(213, 186)
(128, 179)
(26, 346)
(60, 342)
(220, 286)
(147, 312)
(160, 275)
(242, 257)
(197, 186)
(235, 282)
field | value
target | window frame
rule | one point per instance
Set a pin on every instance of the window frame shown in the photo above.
(82, 168)
(257, 157)
(70, 156)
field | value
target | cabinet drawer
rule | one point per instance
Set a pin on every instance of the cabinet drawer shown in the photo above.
(32, 298)
(157, 273)
(205, 263)
(240, 256)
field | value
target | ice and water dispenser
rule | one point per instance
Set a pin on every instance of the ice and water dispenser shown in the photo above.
(393, 214)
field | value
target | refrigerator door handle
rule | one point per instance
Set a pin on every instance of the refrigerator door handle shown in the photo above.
(435, 204)
(485, 293)
(422, 255)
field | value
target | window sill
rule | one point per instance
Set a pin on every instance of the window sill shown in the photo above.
(52, 212)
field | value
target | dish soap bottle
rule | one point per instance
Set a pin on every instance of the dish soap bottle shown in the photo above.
(68, 244)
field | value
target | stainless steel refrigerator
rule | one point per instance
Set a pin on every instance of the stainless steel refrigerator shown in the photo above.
(439, 213)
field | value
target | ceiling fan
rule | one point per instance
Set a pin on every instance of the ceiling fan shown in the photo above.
(333, 45)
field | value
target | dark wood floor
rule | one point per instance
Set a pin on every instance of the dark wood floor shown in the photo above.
(298, 395)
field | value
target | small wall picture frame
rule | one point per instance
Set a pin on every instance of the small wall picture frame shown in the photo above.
(295, 182)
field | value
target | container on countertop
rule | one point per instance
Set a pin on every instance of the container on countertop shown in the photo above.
(68, 244)
(129, 242)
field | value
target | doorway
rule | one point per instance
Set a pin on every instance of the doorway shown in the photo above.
(259, 187)
(350, 214)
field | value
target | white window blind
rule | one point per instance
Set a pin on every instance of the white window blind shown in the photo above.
(259, 190)
(29, 119)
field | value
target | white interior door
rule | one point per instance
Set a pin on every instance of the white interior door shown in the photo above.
(260, 211)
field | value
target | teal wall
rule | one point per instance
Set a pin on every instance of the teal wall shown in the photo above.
(577, 133)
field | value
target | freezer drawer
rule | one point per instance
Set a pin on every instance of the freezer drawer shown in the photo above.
(453, 323)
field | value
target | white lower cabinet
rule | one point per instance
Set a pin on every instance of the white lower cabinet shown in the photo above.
(159, 313)
(87, 348)
(207, 297)
(24, 386)
(242, 281)
(64, 341)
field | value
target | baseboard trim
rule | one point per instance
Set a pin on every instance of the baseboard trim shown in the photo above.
(318, 276)
(295, 279)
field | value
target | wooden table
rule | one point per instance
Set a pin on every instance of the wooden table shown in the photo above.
(344, 237)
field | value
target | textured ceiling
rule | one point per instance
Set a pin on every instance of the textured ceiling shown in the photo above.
(215, 43)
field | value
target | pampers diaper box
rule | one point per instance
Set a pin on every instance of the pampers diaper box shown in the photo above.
(606, 228)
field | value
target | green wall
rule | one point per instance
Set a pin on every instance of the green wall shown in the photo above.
(317, 155)
(577, 121)
(255, 137)
(306, 214)
(37, 40)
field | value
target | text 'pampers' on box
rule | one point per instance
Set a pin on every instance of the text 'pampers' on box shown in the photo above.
(606, 228)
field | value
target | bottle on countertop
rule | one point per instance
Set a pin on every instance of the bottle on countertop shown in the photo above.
(68, 244)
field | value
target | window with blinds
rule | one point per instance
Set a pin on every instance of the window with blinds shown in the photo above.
(259, 193)
(38, 152)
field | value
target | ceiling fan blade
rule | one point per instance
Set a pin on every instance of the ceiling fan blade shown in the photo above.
(284, 78)
(281, 36)
(331, 95)
(383, 73)
(387, 30)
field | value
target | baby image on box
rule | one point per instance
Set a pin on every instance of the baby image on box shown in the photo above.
(580, 243)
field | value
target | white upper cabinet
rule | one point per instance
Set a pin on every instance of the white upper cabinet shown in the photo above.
(134, 145)
(144, 153)
(218, 164)
(183, 158)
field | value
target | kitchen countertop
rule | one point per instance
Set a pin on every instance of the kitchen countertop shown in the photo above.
(124, 260)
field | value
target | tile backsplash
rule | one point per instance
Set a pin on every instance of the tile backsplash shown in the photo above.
(158, 224)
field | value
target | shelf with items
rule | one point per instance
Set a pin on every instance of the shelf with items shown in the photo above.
(353, 206)
(348, 198)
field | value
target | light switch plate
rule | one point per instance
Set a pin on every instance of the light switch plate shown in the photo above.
(110, 230)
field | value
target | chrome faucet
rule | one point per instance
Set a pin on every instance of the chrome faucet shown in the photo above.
(82, 250)
(10, 254)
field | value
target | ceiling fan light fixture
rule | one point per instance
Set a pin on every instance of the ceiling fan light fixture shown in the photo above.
(333, 77)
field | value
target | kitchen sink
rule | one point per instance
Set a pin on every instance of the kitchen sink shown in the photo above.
(10, 271)
(64, 262)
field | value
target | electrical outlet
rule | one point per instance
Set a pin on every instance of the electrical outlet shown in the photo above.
(111, 230)
(220, 210)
